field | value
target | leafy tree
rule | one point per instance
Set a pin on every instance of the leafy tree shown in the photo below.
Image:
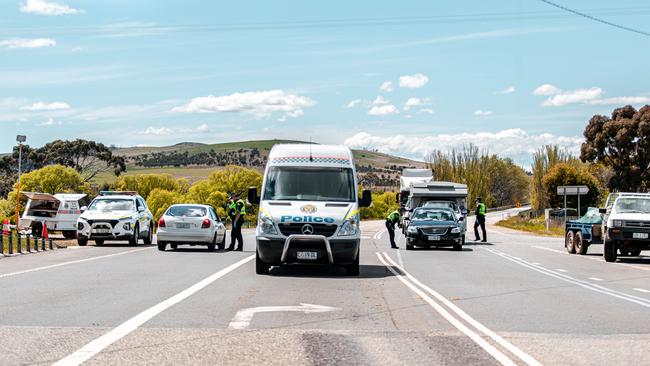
(565, 174)
(160, 200)
(89, 158)
(543, 160)
(382, 204)
(621, 143)
(235, 179)
(144, 184)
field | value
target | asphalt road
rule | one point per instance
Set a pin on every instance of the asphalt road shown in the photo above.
(519, 299)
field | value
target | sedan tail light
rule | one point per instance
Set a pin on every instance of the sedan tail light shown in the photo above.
(206, 224)
(161, 222)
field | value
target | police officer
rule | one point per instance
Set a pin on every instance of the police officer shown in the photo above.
(480, 220)
(236, 212)
(392, 219)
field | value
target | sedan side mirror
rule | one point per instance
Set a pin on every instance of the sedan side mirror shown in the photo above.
(602, 210)
(253, 198)
(140, 209)
(461, 218)
(464, 211)
(366, 199)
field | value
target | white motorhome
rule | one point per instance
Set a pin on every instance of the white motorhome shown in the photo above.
(410, 177)
(438, 194)
(59, 212)
(309, 208)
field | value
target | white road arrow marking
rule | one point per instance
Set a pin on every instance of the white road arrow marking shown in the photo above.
(244, 317)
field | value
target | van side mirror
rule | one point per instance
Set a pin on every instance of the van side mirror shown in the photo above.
(253, 198)
(83, 208)
(366, 199)
(602, 210)
(464, 211)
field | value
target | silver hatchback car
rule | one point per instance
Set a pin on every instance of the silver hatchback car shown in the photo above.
(192, 225)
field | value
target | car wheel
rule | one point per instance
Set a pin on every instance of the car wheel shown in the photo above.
(69, 234)
(212, 245)
(458, 247)
(609, 250)
(174, 246)
(579, 244)
(569, 242)
(409, 247)
(353, 269)
(99, 242)
(162, 246)
(222, 245)
(261, 268)
(136, 236)
(635, 252)
(149, 239)
(82, 242)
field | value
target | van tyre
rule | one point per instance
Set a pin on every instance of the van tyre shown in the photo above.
(162, 246)
(133, 241)
(99, 242)
(635, 252)
(579, 244)
(149, 239)
(569, 242)
(261, 268)
(353, 269)
(174, 246)
(610, 250)
(82, 242)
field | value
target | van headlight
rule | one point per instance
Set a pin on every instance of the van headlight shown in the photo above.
(350, 227)
(412, 230)
(265, 224)
(455, 230)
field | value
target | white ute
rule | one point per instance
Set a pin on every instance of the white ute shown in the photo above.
(626, 224)
(122, 216)
(309, 208)
(59, 212)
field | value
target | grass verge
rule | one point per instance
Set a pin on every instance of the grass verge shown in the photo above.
(535, 225)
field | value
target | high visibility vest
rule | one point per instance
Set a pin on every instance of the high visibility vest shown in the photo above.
(393, 216)
(482, 209)
(233, 207)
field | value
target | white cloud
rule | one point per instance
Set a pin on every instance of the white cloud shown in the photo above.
(42, 7)
(260, 104)
(413, 81)
(383, 110)
(515, 143)
(416, 102)
(482, 113)
(353, 103)
(50, 122)
(386, 86)
(546, 89)
(508, 90)
(426, 110)
(28, 43)
(621, 100)
(41, 106)
(573, 97)
(166, 131)
(202, 128)
(158, 131)
(380, 100)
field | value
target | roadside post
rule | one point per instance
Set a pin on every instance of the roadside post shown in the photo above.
(28, 244)
(19, 244)
(572, 191)
(11, 244)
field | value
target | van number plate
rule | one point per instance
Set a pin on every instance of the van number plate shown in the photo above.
(307, 255)
(640, 235)
(434, 237)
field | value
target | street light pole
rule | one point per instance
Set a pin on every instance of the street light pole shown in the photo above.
(20, 139)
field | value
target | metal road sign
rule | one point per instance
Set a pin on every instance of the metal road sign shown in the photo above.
(572, 190)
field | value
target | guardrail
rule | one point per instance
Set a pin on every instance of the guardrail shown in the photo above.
(15, 243)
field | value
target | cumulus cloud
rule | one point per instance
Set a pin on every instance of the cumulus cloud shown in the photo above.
(508, 90)
(380, 101)
(50, 122)
(621, 100)
(558, 97)
(386, 86)
(260, 104)
(516, 143)
(482, 113)
(416, 102)
(158, 131)
(353, 103)
(413, 81)
(41, 106)
(426, 110)
(383, 110)
(28, 43)
(546, 89)
(42, 7)
(166, 131)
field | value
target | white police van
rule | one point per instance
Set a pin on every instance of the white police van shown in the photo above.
(309, 208)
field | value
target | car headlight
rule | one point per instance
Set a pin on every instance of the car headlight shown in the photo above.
(80, 225)
(265, 224)
(455, 230)
(617, 223)
(350, 227)
(127, 226)
(412, 230)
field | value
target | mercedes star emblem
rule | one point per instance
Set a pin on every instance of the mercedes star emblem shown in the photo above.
(307, 229)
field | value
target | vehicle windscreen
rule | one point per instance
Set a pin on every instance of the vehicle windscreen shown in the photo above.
(632, 205)
(432, 215)
(186, 211)
(440, 204)
(309, 184)
(111, 204)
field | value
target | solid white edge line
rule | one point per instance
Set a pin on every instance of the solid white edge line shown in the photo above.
(71, 262)
(641, 290)
(528, 359)
(490, 349)
(563, 252)
(94, 347)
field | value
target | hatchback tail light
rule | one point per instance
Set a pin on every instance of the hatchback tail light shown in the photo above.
(161, 222)
(206, 224)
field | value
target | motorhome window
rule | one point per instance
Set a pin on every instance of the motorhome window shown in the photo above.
(433, 215)
(187, 211)
(309, 184)
(632, 205)
(111, 204)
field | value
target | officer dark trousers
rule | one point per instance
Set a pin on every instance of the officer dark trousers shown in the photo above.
(480, 221)
(236, 236)
(391, 233)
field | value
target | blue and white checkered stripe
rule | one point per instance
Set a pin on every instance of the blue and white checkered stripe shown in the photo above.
(314, 160)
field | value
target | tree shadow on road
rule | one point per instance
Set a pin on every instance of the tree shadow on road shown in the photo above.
(326, 271)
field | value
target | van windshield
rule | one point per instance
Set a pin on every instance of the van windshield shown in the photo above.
(309, 184)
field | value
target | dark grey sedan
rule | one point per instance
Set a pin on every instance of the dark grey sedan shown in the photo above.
(437, 227)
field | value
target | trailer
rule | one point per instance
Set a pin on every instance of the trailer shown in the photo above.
(580, 234)
(59, 212)
(407, 179)
(437, 194)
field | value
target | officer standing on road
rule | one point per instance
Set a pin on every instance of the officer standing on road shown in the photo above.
(236, 212)
(480, 220)
(392, 219)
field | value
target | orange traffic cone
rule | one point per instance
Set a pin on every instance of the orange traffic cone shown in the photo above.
(45, 234)
(5, 228)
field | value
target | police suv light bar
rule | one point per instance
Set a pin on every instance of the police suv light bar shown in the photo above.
(117, 193)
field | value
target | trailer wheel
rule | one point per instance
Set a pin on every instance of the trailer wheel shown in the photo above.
(69, 234)
(569, 242)
(609, 250)
(579, 244)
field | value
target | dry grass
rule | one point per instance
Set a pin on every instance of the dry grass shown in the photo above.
(534, 225)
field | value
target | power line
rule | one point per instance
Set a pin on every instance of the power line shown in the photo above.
(633, 30)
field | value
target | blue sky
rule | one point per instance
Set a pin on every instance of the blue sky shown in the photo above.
(509, 76)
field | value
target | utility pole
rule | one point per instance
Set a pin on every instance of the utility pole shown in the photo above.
(20, 139)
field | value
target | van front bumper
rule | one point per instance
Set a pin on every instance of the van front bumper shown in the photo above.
(277, 251)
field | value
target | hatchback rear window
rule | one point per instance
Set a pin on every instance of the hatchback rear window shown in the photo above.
(187, 211)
